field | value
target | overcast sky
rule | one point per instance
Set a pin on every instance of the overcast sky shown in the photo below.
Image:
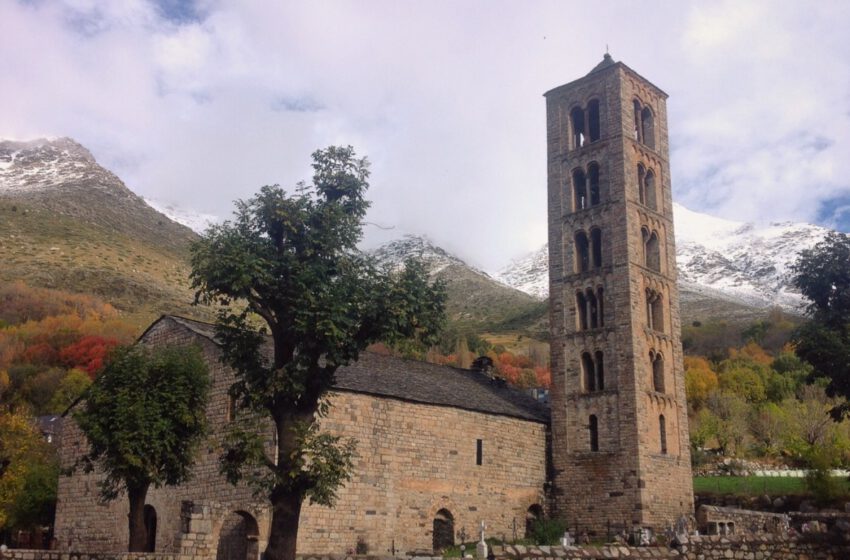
(200, 103)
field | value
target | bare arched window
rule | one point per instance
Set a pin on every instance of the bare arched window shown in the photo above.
(577, 121)
(582, 252)
(596, 247)
(657, 362)
(649, 191)
(592, 309)
(581, 311)
(647, 127)
(601, 311)
(641, 171)
(637, 120)
(651, 250)
(580, 190)
(662, 429)
(593, 428)
(600, 371)
(593, 184)
(593, 126)
(654, 311)
(588, 373)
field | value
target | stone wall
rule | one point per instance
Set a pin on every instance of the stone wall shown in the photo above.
(413, 461)
(714, 520)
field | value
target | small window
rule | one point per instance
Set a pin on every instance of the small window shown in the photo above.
(582, 252)
(647, 127)
(588, 373)
(600, 371)
(577, 121)
(657, 362)
(479, 452)
(580, 190)
(593, 184)
(662, 428)
(594, 433)
(596, 246)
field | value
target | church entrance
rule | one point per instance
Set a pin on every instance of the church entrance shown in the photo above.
(238, 537)
(444, 530)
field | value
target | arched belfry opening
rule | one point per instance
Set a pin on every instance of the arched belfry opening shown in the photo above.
(443, 530)
(577, 122)
(647, 127)
(238, 538)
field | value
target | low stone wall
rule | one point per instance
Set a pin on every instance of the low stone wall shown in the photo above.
(714, 520)
(24, 554)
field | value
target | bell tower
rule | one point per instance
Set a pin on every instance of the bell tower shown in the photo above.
(620, 445)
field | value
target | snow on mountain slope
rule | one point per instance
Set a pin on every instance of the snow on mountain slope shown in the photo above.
(739, 261)
(196, 221)
(395, 252)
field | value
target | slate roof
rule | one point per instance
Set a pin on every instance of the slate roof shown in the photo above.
(421, 382)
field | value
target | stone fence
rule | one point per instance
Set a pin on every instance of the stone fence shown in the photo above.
(739, 547)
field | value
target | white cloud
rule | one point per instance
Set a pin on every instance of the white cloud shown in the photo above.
(444, 97)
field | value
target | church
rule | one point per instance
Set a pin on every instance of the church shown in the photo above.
(442, 449)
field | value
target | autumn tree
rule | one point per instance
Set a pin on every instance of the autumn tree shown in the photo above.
(291, 259)
(823, 276)
(144, 418)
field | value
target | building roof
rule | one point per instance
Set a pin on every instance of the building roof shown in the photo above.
(607, 62)
(421, 382)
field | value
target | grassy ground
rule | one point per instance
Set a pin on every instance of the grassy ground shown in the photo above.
(753, 485)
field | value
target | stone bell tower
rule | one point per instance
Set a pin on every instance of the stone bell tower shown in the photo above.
(620, 446)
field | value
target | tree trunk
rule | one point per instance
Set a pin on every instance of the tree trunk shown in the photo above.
(286, 511)
(138, 534)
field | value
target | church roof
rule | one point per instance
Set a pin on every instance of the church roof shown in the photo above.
(606, 62)
(421, 382)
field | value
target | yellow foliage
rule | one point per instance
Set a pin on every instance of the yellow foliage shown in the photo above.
(19, 442)
(700, 380)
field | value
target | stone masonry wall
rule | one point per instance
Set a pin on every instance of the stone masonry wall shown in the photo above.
(414, 460)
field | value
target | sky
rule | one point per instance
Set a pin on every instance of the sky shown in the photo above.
(200, 103)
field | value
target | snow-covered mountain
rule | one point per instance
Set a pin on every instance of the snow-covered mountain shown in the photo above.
(737, 261)
(196, 221)
(394, 253)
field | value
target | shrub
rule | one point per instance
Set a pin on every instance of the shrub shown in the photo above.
(548, 531)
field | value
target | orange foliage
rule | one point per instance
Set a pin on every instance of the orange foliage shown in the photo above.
(20, 303)
(751, 351)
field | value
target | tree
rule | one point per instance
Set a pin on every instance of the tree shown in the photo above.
(144, 417)
(292, 260)
(823, 276)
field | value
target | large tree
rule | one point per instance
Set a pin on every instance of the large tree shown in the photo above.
(289, 261)
(823, 276)
(144, 418)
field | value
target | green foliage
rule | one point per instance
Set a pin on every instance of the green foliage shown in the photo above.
(823, 277)
(292, 260)
(548, 531)
(824, 487)
(144, 417)
(70, 388)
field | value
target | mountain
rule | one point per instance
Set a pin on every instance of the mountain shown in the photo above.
(475, 300)
(66, 222)
(727, 269)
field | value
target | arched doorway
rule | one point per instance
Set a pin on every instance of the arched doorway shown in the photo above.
(532, 516)
(237, 539)
(444, 530)
(149, 514)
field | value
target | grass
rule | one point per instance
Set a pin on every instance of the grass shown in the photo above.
(754, 485)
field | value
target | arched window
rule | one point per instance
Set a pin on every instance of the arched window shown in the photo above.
(600, 371)
(601, 311)
(654, 311)
(444, 530)
(649, 191)
(577, 121)
(593, 126)
(596, 247)
(580, 190)
(641, 170)
(593, 428)
(588, 371)
(662, 429)
(657, 362)
(651, 250)
(581, 311)
(592, 309)
(582, 252)
(593, 183)
(647, 127)
(637, 119)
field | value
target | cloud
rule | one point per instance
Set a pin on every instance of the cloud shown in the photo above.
(201, 103)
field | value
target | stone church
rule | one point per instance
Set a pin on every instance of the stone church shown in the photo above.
(442, 449)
